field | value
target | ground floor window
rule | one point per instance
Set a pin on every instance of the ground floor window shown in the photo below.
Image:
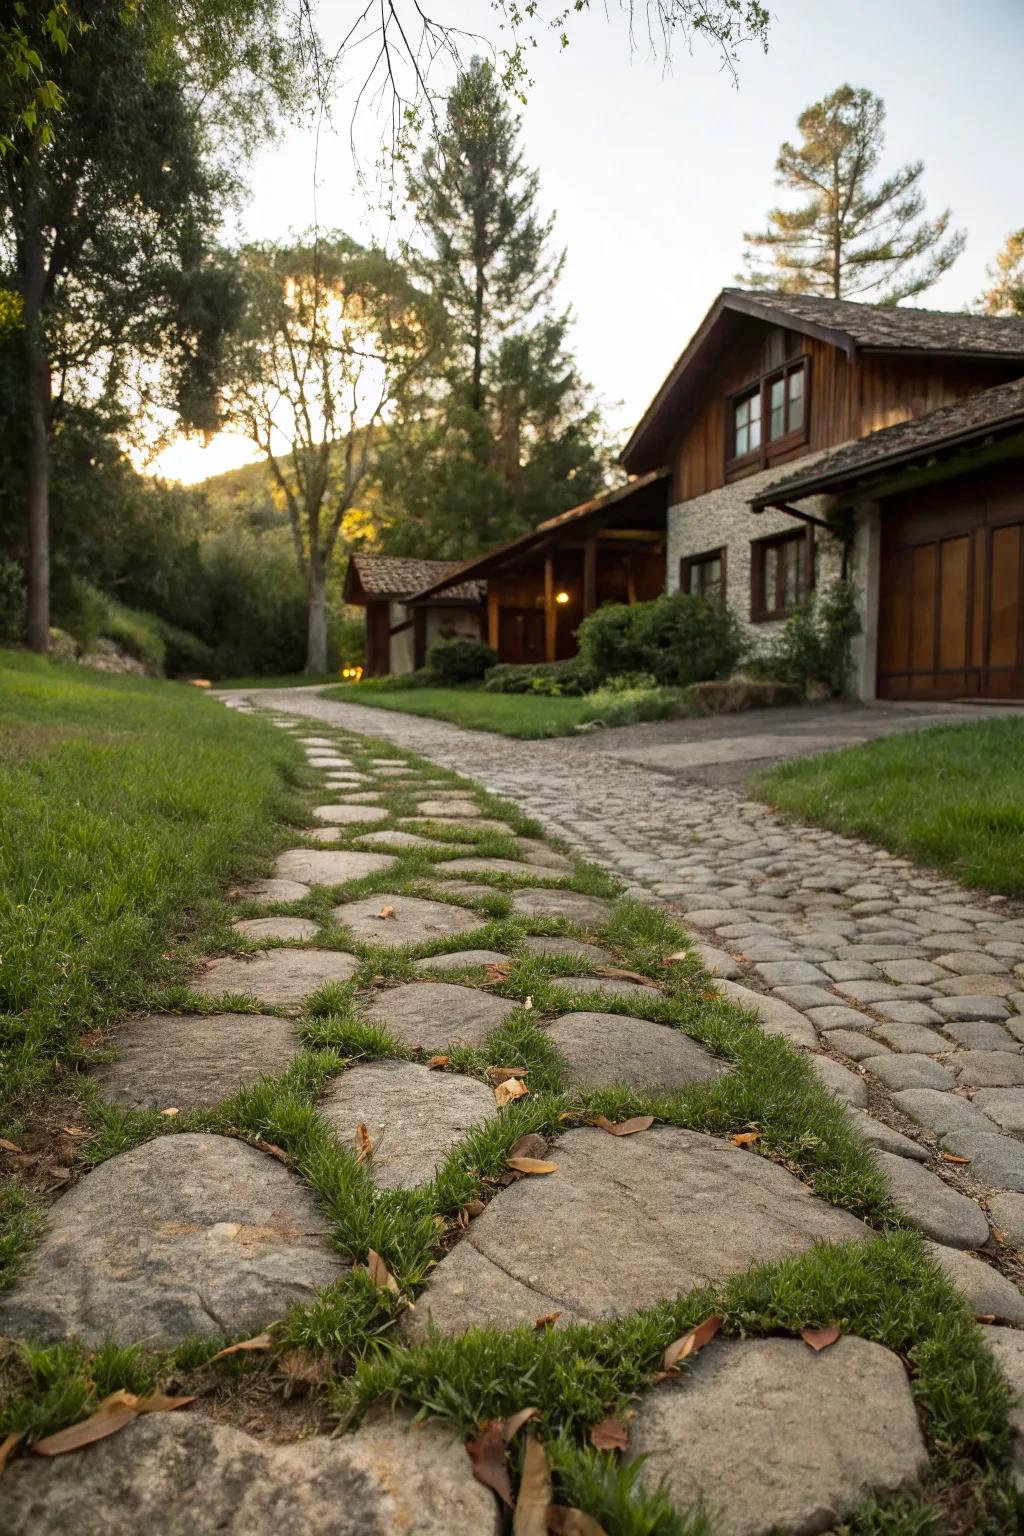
(781, 573)
(703, 575)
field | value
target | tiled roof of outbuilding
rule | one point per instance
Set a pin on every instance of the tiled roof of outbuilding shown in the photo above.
(398, 576)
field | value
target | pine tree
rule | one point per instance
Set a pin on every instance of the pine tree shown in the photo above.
(851, 235)
(1006, 295)
(504, 434)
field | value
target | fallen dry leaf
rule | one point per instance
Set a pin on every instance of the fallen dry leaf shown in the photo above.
(499, 1074)
(546, 1320)
(745, 1138)
(610, 1435)
(9, 1146)
(269, 1148)
(681, 1349)
(113, 1414)
(532, 1144)
(487, 1453)
(259, 1341)
(531, 1165)
(615, 973)
(680, 954)
(474, 1208)
(531, 1516)
(386, 912)
(527, 1003)
(951, 1157)
(514, 1423)
(497, 970)
(171, 1111)
(623, 1127)
(819, 1338)
(364, 1145)
(999, 1235)
(6, 1447)
(379, 1272)
(438, 1061)
(511, 1088)
(565, 1521)
(984, 1317)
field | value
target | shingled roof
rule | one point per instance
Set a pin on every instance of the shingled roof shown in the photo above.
(841, 322)
(994, 411)
(399, 577)
(874, 327)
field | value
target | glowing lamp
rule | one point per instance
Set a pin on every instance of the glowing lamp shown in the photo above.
(561, 597)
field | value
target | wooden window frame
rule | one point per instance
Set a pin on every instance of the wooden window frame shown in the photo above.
(768, 451)
(688, 562)
(760, 612)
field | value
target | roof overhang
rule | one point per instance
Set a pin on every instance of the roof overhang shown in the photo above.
(352, 589)
(579, 521)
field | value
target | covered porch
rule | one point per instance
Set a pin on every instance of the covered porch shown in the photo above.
(543, 585)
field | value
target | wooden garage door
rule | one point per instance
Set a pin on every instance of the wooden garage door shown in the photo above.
(951, 619)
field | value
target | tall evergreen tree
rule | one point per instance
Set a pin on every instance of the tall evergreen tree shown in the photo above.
(504, 433)
(851, 235)
(1006, 294)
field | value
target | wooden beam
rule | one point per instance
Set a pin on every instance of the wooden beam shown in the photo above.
(550, 611)
(630, 581)
(589, 575)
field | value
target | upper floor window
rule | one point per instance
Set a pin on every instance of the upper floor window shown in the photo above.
(770, 417)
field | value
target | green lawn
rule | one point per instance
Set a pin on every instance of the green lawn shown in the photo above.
(951, 797)
(526, 715)
(126, 805)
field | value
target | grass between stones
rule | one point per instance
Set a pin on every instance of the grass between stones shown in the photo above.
(345, 1340)
(950, 797)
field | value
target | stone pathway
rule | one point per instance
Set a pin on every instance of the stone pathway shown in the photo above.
(193, 1234)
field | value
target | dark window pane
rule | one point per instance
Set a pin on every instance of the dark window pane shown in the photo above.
(796, 383)
(796, 413)
(755, 432)
(791, 554)
(771, 576)
(742, 440)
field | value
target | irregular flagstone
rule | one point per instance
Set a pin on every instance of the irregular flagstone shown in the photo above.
(623, 1222)
(988, 1069)
(459, 958)
(187, 1234)
(884, 1139)
(471, 890)
(270, 890)
(717, 962)
(483, 824)
(193, 1060)
(574, 906)
(324, 834)
(414, 1116)
(277, 927)
(605, 1048)
(610, 986)
(186, 1475)
(986, 1292)
(1007, 1344)
(470, 865)
(463, 809)
(772, 1436)
(345, 815)
(330, 867)
(1003, 1105)
(774, 1017)
(281, 977)
(414, 920)
(561, 946)
(908, 1070)
(840, 1081)
(940, 1212)
(545, 857)
(1007, 1209)
(436, 1013)
(995, 1159)
(388, 838)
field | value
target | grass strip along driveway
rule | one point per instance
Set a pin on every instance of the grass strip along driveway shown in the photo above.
(528, 716)
(347, 1348)
(951, 797)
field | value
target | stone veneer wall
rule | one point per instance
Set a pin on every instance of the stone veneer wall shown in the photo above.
(723, 517)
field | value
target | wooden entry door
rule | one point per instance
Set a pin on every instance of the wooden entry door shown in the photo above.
(951, 619)
(521, 635)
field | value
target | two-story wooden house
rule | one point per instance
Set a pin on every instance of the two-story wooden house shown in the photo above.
(799, 439)
(808, 438)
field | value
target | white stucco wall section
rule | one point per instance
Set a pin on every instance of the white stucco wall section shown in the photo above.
(723, 517)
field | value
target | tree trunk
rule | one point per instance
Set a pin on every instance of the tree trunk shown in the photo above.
(316, 637)
(37, 452)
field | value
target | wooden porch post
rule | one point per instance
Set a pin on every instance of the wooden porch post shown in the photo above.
(550, 612)
(589, 574)
(493, 626)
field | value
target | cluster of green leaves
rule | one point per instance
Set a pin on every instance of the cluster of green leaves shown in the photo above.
(678, 638)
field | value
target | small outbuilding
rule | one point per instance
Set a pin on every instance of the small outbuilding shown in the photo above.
(398, 635)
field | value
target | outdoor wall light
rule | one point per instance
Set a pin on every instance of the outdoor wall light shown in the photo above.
(352, 673)
(561, 597)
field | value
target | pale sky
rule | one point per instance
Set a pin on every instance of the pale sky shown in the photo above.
(654, 176)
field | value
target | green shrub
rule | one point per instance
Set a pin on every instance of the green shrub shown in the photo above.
(138, 634)
(184, 653)
(81, 609)
(12, 600)
(814, 646)
(678, 639)
(631, 705)
(552, 679)
(460, 659)
(395, 682)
